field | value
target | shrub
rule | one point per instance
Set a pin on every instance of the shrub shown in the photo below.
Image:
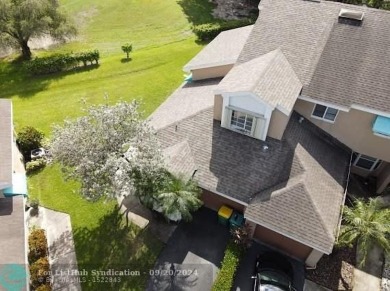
(231, 261)
(40, 273)
(37, 244)
(61, 62)
(242, 235)
(208, 31)
(34, 166)
(34, 203)
(29, 138)
(45, 287)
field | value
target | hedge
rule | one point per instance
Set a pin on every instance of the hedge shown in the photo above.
(62, 62)
(230, 263)
(40, 273)
(37, 244)
(208, 31)
(35, 166)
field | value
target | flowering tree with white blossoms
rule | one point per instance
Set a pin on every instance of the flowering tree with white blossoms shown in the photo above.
(113, 151)
(103, 148)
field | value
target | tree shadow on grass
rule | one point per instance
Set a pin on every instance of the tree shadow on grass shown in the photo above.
(113, 245)
(126, 60)
(198, 11)
(16, 80)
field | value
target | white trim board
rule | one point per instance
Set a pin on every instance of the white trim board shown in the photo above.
(189, 68)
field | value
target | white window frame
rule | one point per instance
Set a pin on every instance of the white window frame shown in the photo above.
(239, 129)
(374, 160)
(326, 110)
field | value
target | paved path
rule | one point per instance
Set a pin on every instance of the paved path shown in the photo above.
(62, 255)
(143, 217)
(369, 277)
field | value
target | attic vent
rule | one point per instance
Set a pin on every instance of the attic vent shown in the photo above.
(351, 14)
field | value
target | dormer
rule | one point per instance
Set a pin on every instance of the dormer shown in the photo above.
(256, 98)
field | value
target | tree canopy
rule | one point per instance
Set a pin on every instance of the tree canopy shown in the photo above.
(105, 148)
(21, 20)
(366, 223)
(113, 151)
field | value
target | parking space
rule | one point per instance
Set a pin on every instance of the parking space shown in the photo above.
(243, 280)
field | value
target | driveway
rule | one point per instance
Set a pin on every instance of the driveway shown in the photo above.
(243, 281)
(192, 255)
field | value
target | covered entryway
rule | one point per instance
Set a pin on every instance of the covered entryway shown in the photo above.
(289, 246)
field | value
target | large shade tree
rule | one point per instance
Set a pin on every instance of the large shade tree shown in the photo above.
(21, 20)
(113, 151)
(366, 223)
(104, 148)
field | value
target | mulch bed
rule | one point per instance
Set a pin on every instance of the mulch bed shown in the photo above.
(336, 270)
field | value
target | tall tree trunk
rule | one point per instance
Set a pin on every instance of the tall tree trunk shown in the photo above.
(26, 52)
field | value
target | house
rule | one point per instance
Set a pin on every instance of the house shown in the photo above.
(277, 134)
(13, 255)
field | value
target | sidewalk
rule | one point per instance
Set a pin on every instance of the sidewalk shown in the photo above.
(369, 277)
(62, 255)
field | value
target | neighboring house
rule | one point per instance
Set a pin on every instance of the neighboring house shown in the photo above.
(13, 257)
(306, 102)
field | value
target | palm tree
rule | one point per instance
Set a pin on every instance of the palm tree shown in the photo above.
(367, 224)
(177, 198)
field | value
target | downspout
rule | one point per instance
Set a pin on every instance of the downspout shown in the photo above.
(345, 196)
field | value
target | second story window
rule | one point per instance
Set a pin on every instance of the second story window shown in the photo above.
(324, 112)
(242, 122)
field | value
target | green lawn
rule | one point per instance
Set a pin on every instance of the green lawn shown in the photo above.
(163, 43)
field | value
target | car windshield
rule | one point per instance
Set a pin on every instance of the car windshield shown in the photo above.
(267, 287)
(273, 279)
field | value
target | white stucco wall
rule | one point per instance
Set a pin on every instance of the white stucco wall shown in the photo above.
(247, 103)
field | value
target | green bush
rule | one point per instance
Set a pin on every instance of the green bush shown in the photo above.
(37, 244)
(208, 31)
(231, 261)
(40, 273)
(34, 166)
(29, 138)
(45, 287)
(61, 62)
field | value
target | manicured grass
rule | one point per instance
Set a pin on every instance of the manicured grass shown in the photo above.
(102, 239)
(162, 43)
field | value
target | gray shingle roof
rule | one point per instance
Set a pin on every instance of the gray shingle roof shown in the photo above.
(295, 187)
(307, 207)
(269, 76)
(6, 140)
(223, 50)
(187, 100)
(336, 62)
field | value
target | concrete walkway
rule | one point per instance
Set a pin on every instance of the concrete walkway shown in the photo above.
(62, 255)
(143, 217)
(369, 277)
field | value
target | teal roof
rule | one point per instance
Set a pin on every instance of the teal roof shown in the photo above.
(381, 125)
(19, 185)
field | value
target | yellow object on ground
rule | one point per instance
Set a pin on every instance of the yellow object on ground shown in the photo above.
(225, 212)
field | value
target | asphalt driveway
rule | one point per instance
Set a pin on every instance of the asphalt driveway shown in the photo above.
(243, 280)
(192, 255)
